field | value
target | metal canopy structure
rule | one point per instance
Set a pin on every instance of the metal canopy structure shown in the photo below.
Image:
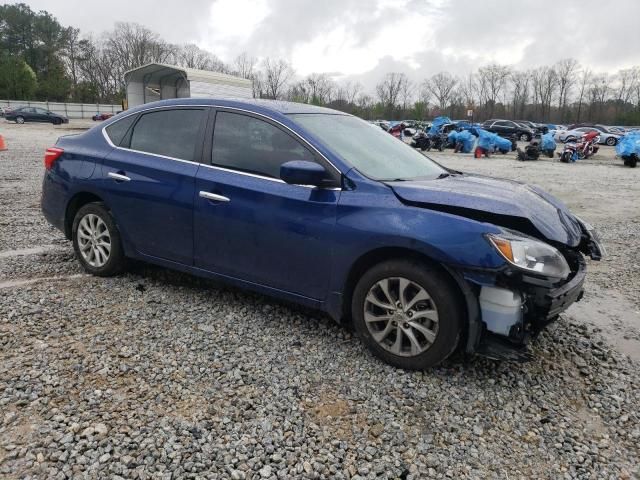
(157, 81)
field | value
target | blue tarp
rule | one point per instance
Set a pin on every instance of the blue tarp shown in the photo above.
(487, 140)
(548, 142)
(452, 138)
(629, 144)
(467, 139)
(502, 144)
(438, 122)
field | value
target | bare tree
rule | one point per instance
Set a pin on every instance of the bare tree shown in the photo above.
(520, 82)
(276, 75)
(441, 86)
(566, 74)
(388, 90)
(407, 90)
(244, 65)
(71, 53)
(585, 78)
(626, 80)
(319, 87)
(134, 45)
(493, 79)
(192, 56)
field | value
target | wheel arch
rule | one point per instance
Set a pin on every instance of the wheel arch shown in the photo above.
(471, 327)
(76, 202)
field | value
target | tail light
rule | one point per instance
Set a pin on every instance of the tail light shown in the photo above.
(51, 155)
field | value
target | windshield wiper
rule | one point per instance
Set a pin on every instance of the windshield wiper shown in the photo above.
(443, 175)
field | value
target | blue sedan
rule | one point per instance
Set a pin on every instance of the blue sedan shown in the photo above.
(316, 207)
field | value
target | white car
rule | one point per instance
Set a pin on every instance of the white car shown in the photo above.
(606, 138)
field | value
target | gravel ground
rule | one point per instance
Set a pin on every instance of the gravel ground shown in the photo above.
(155, 374)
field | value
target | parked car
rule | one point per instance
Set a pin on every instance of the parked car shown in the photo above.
(540, 128)
(98, 117)
(606, 138)
(35, 114)
(322, 210)
(508, 128)
(4, 111)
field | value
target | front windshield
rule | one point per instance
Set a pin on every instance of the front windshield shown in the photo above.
(372, 151)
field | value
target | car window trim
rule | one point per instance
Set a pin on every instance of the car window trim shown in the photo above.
(321, 159)
(208, 165)
(197, 154)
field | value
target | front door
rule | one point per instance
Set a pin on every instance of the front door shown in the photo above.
(251, 225)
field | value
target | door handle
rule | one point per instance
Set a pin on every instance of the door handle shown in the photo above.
(118, 177)
(214, 197)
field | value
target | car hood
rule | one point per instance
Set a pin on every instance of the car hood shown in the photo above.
(505, 203)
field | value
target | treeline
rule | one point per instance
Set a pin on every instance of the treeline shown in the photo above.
(40, 59)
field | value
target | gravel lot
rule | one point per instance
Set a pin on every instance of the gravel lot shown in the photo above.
(155, 374)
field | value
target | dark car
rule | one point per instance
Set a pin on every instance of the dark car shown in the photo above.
(318, 208)
(538, 128)
(509, 128)
(35, 114)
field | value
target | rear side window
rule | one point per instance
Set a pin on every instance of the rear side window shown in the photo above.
(117, 131)
(172, 133)
(251, 145)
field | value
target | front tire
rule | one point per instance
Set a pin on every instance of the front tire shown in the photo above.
(611, 141)
(525, 137)
(407, 313)
(19, 120)
(96, 241)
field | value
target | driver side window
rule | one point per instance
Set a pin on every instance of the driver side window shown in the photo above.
(251, 145)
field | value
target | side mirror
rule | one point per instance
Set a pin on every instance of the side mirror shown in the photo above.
(301, 172)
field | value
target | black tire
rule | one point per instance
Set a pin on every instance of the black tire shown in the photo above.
(611, 141)
(445, 298)
(633, 161)
(441, 147)
(116, 260)
(565, 157)
(57, 121)
(20, 119)
(525, 137)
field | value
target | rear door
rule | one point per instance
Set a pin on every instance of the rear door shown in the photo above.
(148, 181)
(251, 225)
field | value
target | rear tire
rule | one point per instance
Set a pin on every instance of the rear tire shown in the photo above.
(525, 137)
(57, 121)
(633, 161)
(611, 141)
(565, 157)
(429, 328)
(96, 241)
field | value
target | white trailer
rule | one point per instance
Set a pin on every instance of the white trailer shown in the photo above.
(157, 81)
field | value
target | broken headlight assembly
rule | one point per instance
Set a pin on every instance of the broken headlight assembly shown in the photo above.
(531, 255)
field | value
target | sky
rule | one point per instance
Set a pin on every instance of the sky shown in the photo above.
(362, 40)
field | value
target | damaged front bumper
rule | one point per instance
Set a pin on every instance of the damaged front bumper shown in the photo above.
(516, 308)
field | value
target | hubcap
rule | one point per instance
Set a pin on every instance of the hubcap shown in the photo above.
(401, 316)
(94, 240)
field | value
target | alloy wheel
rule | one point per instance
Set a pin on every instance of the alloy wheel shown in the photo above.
(401, 316)
(94, 240)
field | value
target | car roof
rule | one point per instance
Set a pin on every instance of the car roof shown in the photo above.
(253, 104)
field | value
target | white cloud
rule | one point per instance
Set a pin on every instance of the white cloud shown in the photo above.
(231, 23)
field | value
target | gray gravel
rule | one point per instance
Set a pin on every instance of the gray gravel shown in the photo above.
(155, 374)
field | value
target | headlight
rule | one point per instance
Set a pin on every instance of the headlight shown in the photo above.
(531, 255)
